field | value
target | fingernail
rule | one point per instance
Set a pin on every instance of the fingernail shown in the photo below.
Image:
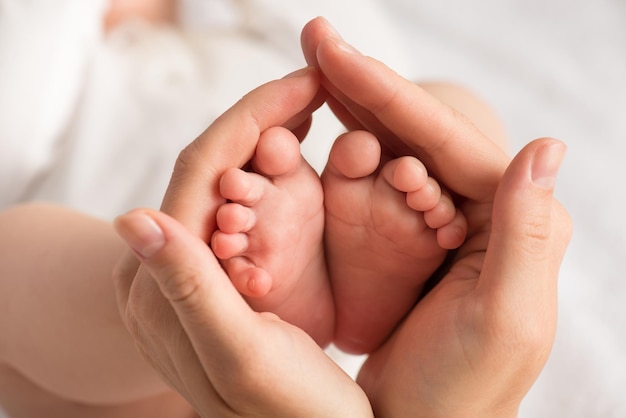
(299, 73)
(141, 232)
(346, 47)
(546, 163)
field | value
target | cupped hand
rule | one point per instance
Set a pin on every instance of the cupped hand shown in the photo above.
(474, 345)
(366, 94)
(179, 305)
(227, 360)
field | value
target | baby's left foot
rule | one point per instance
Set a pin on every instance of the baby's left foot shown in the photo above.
(388, 228)
(270, 237)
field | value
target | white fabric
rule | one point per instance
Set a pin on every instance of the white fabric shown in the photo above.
(43, 53)
(96, 122)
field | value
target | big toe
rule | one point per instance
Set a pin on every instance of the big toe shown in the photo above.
(277, 153)
(355, 154)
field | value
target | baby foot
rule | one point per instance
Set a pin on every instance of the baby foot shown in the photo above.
(388, 228)
(270, 235)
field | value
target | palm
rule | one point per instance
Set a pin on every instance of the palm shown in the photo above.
(452, 342)
(269, 377)
(475, 344)
(435, 339)
(455, 345)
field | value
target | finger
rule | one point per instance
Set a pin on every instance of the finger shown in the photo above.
(189, 277)
(530, 231)
(303, 129)
(353, 115)
(417, 122)
(435, 133)
(123, 277)
(193, 196)
(312, 35)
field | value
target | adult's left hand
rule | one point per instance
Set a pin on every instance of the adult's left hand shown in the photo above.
(182, 310)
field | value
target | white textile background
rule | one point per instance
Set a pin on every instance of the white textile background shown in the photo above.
(555, 68)
(95, 123)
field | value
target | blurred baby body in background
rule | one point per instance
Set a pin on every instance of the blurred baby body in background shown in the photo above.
(127, 84)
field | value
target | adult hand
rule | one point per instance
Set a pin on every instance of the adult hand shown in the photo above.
(476, 342)
(226, 359)
(366, 94)
(182, 310)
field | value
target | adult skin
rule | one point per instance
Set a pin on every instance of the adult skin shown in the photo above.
(474, 345)
(494, 311)
(181, 308)
(66, 350)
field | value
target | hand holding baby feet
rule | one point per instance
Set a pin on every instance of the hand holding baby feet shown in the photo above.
(388, 228)
(270, 235)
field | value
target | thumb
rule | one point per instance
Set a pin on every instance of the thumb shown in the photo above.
(530, 230)
(187, 274)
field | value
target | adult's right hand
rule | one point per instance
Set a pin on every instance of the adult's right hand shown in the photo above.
(476, 342)
(366, 94)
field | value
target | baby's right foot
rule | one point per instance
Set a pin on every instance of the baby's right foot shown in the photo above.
(388, 228)
(270, 237)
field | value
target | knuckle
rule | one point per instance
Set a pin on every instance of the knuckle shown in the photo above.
(186, 159)
(179, 285)
(563, 221)
(388, 101)
(537, 228)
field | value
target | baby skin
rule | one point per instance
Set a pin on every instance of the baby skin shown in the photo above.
(389, 227)
(385, 228)
(270, 235)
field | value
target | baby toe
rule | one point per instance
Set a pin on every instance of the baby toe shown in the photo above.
(248, 279)
(226, 246)
(453, 234)
(241, 187)
(425, 198)
(441, 214)
(232, 218)
(355, 154)
(277, 152)
(406, 174)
